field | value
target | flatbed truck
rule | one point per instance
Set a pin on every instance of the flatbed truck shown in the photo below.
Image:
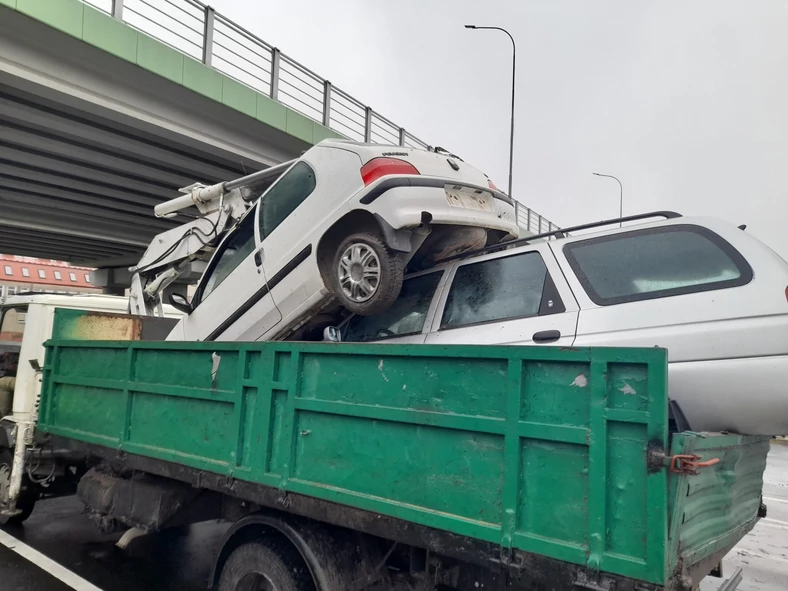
(363, 466)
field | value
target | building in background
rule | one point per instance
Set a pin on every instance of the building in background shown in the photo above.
(27, 274)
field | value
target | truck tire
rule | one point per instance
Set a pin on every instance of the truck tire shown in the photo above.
(366, 276)
(265, 566)
(28, 496)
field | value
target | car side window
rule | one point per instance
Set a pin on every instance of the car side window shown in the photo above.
(239, 245)
(287, 194)
(406, 315)
(516, 286)
(655, 263)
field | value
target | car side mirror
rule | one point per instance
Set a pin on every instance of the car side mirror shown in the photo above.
(179, 302)
(331, 334)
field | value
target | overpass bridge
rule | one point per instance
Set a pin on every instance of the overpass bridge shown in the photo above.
(107, 107)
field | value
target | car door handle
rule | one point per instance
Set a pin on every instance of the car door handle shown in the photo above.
(258, 257)
(546, 336)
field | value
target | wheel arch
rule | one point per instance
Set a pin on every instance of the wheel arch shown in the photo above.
(361, 220)
(329, 552)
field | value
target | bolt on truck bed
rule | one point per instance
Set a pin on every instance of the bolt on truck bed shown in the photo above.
(547, 464)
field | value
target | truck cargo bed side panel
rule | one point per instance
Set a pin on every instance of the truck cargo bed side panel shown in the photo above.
(713, 509)
(533, 448)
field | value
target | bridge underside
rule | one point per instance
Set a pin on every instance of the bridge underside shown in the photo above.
(75, 186)
(89, 143)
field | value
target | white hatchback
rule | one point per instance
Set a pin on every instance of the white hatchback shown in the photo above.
(340, 226)
(710, 293)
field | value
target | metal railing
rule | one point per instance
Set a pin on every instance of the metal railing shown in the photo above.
(200, 32)
(531, 221)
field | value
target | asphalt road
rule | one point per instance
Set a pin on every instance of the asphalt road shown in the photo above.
(179, 560)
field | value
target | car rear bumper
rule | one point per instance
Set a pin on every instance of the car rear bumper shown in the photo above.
(748, 395)
(402, 207)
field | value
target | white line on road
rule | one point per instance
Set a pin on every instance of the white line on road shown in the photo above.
(774, 523)
(47, 564)
(743, 552)
(775, 500)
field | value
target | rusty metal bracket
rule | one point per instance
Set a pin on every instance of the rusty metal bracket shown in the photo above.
(689, 463)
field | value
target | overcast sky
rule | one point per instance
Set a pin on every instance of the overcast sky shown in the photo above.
(686, 102)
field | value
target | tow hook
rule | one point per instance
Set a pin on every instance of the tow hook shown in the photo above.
(689, 463)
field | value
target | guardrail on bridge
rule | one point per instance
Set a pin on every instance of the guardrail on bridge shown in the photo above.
(200, 32)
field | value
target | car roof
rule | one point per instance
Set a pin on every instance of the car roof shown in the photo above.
(525, 242)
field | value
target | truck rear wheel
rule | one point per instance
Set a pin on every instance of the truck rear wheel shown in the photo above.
(265, 566)
(27, 498)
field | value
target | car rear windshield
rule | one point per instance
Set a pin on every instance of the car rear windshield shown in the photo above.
(655, 263)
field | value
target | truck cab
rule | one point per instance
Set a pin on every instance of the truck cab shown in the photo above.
(26, 323)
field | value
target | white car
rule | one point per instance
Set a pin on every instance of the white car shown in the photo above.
(341, 225)
(707, 291)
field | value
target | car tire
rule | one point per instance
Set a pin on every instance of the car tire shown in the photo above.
(366, 275)
(265, 564)
(28, 496)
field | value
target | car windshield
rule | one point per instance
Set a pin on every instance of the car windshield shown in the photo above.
(405, 316)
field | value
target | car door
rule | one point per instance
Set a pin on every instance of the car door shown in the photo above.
(686, 288)
(293, 215)
(408, 318)
(509, 298)
(233, 279)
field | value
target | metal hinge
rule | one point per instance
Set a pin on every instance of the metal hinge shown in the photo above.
(509, 560)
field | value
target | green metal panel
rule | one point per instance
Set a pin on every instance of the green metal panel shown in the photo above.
(713, 510)
(536, 448)
(65, 15)
(239, 97)
(160, 59)
(86, 23)
(200, 78)
(300, 126)
(271, 112)
(320, 133)
(90, 325)
(109, 34)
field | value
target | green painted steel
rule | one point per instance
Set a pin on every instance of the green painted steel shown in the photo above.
(100, 30)
(536, 448)
(713, 510)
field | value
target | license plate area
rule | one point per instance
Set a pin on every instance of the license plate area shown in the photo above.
(468, 198)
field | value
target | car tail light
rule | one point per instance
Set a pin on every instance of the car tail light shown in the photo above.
(786, 293)
(378, 167)
(492, 185)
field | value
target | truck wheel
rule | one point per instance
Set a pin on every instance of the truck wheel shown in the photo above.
(366, 274)
(265, 566)
(27, 497)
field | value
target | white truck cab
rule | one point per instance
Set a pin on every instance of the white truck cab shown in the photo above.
(26, 323)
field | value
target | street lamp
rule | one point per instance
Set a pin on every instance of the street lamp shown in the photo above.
(511, 133)
(620, 198)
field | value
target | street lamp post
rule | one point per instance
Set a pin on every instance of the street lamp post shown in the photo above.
(620, 195)
(514, 72)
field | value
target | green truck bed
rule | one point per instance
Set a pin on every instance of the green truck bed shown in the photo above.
(557, 452)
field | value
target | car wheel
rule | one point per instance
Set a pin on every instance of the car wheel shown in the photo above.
(27, 497)
(366, 274)
(265, 566)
